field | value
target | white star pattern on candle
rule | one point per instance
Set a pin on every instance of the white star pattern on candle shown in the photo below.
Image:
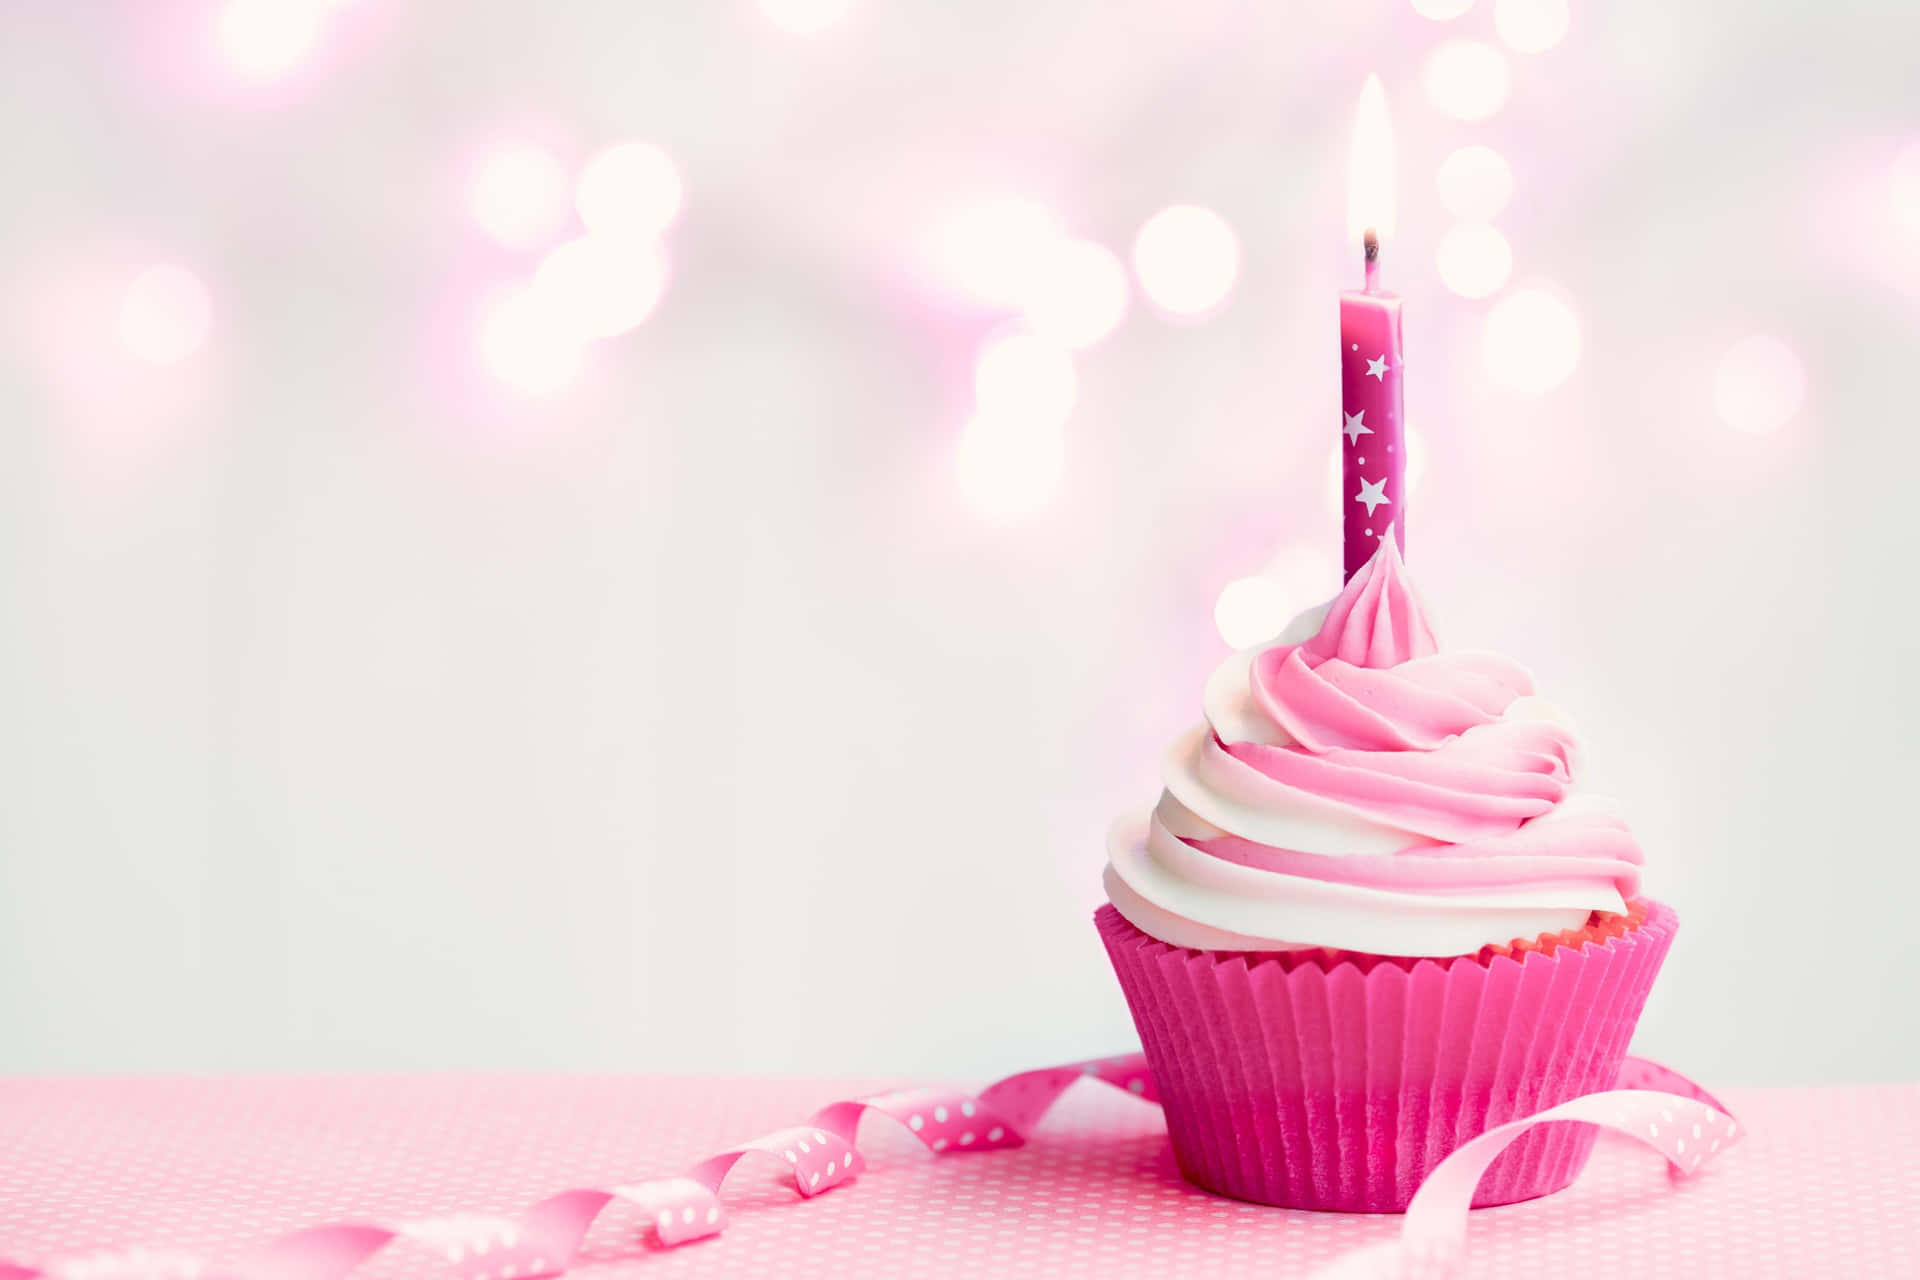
(1373, 493)
(1356, 428)
(1377, 368)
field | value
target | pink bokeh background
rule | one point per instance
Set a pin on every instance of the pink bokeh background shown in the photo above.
(379, 666)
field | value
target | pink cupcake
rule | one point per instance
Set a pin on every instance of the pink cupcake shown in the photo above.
(1371, 917)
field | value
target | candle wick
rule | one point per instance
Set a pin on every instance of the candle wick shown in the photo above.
(1371, 241)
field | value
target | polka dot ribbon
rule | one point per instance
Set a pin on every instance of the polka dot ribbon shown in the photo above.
(1655, 1105)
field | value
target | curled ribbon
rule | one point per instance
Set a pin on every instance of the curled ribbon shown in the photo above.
(1657, 1106)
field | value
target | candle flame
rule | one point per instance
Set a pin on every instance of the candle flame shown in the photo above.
(1370, 195)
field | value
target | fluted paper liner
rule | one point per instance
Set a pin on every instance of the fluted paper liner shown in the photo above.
(1330, 1080)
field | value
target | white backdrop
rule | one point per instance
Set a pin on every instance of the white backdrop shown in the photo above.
(360, 715)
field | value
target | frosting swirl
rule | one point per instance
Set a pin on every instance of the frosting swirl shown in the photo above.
(1356, 787)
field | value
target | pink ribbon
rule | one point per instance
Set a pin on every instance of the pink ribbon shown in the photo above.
(1655, 1105)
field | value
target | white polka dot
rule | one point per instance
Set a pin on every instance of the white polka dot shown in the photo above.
(915, 1121)
(830, 1166)
(995, 1134)
(1137, 1085)
(1696, 1131)
(803, 1145)
(666, 1219)
(792, 1158)
(713, 1215)
(1653, 1130)
(813, 1180)
(966, 1108)
(1680, 1146)
(686, 1215)
(939, 1144)
(940, 1115)
(966, 1139)
(820, 1137)
(480, 1246)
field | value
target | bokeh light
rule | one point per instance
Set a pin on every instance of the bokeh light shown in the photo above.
(598, 286)
(1475, 183)
(1252, 610)
(1759, 384)
(629, 190)
(1007, 468)
(263, 40)
(1079, 295)
(1441, 10)
(520, 196)
(1300, 575)
(1529, 26)
(524, 349)
(1187, 259)
(1531, 342)
(165, 315)
(1904, 186)
(1474, 259)
(993, 249)
(1024, 378)
(1466, 79)
(804, 17)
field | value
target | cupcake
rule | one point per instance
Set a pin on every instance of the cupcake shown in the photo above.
(1371, 916)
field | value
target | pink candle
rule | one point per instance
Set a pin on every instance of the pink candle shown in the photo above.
(1374, 447)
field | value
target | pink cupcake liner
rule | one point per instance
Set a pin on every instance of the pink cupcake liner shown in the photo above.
(1335, 1081)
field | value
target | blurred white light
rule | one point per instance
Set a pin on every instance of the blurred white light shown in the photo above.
(992, 251)
(165, 315)
(1008, 468)
(1252, 610)
(1904, 183)
(1187, 259)
(520, 196)
(1528, 26)
(265, 39)
(1531, 341)
(1025, 378)
(1474, 259)
(1475, 183)
(524, 349)
(1372, 198)
(804, 17)
(1466, 79)
(1441, 10)
(632, 190)
(1759, 384)
(1079, 295)
(599, 287)
(1307, 572)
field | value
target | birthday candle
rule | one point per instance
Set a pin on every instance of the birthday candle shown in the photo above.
(1373, 414)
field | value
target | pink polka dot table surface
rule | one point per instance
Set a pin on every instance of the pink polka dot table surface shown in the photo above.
(1824, 1182)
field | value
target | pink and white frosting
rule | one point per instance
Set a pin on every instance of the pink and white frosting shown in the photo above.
(1354, 787)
